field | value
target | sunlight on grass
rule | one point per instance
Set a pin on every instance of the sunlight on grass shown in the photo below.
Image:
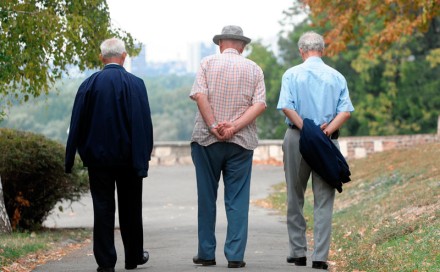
(19, 244)
(387, 217)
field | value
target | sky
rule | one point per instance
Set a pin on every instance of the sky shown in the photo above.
(168, 27)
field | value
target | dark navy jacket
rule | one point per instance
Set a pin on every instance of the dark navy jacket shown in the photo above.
(323, 156)
(111, 122)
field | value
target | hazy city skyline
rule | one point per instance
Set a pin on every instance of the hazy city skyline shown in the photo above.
(168, 27)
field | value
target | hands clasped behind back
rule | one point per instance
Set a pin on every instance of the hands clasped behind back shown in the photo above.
(223, 131)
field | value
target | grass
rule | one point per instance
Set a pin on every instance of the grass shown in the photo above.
(17, 247)
(388, 217)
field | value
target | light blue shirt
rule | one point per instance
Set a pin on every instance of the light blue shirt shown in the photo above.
(315, 91)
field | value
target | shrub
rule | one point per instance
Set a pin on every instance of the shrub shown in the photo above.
(32, 173)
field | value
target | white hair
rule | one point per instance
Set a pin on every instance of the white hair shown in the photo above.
(113, 47)
(311, 41)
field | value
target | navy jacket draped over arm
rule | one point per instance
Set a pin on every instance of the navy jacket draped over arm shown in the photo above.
(323, 156)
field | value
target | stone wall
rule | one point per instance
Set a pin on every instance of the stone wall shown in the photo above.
(269, 151)
(360, 147)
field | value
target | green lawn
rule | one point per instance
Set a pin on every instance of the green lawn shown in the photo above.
(18, 246)
(388, 217)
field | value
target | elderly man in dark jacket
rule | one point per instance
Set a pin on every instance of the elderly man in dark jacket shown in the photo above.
(112, 130)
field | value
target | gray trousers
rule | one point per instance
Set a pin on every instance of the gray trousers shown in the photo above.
(297, 173)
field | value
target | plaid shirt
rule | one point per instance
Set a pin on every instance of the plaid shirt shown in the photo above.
(232, 84)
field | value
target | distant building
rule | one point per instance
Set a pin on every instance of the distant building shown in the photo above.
(166, 68)
(196, 52)
(138, 64)
(127, 63)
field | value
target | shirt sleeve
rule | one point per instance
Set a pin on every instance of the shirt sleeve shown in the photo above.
(344, 103)
(142, 129)
(75, 128)
(260, 90)
(286, 100)
(200, 84)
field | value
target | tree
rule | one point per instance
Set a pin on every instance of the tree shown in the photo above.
(381, 47)
(33, 177)
(376, 25)
(271, 123)
(5, 224)
(42, 39)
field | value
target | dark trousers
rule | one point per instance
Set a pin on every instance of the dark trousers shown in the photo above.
(129, 191)
(235, 164)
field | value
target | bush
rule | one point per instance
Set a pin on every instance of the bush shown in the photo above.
(32, 173)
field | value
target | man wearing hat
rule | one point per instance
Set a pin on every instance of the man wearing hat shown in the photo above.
(230, 94)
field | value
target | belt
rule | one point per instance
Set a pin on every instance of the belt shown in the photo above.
(333, 136)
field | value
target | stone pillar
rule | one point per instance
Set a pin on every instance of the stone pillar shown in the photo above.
(5, 224)
(438, 126)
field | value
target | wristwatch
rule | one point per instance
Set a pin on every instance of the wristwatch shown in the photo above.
(213, 125)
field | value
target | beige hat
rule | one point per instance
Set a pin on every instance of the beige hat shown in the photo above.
(231, 32)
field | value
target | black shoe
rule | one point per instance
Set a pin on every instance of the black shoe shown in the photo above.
(236, 264)
(108, 269)
(203, 262)
(301, 261)
(144, 260)
(320, 265)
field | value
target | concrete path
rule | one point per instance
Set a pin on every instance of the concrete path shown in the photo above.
(170, 226)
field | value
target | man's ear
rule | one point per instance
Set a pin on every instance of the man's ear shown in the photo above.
(101, 58)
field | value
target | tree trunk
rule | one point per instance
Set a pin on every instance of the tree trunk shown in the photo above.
(5, 224)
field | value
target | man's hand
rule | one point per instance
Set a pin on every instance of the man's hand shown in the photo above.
(226, 130)
(214, 131)
(323, 128)
(223, 131)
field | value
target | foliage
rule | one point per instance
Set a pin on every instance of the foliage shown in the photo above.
(393, 93)
(389, 52)
(32, 170)
(48, 115)
(386, 66)
(375, 25)
(41, 39)
(399, 95)
(172, 110)
(271, 123)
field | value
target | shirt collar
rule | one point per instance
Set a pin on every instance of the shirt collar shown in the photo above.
(231, 50)
(313, 59)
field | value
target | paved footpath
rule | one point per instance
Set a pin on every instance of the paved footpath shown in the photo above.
(170, 226)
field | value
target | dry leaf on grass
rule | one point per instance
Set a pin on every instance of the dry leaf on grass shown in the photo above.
(28, 263)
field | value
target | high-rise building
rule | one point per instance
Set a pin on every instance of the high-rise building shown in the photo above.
(196, 52)
(139, 63)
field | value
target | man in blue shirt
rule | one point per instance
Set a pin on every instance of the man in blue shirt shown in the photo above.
(318, 92)
(112, 131)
